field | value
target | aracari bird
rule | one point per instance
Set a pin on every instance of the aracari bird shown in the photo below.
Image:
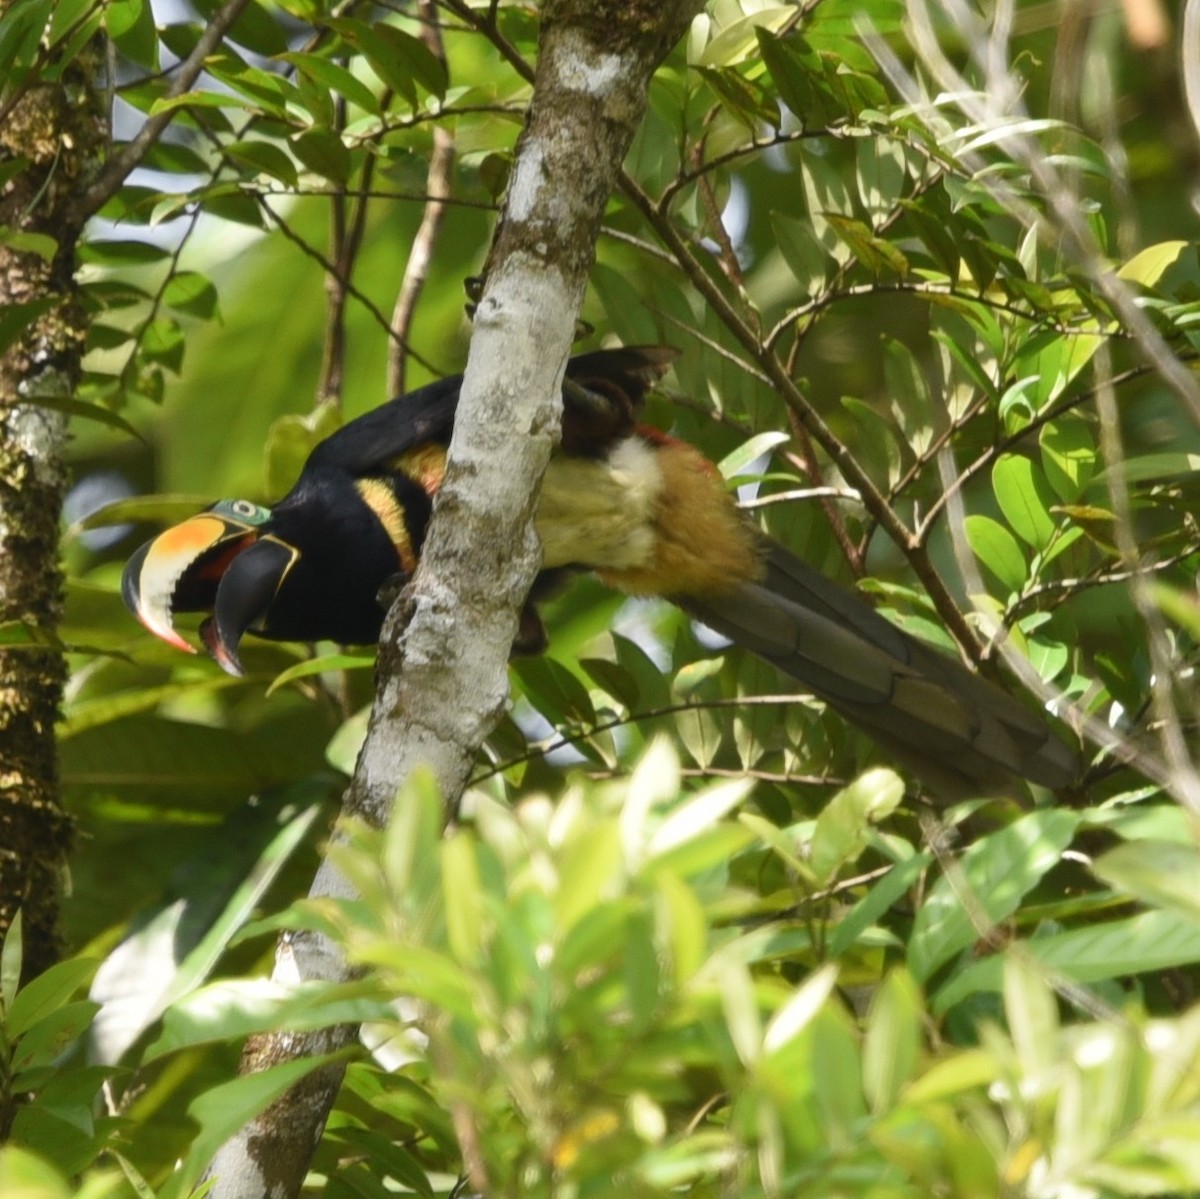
(647, 512)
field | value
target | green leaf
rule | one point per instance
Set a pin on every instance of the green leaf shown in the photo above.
(882, 171)
(909, 392)
(795, 70)
(700, 733)
(202, 99)
(997, 549)
(10, 963)
(148, 509)
(270, 92)
(554, 690)
(826, 195)
(326, 664)
(290, 440)
(47, 993)
(400, 60)
(236, 1007)
(805, 256)
(191, 292)
(117, 253)
(798, 1013)
(24, 241)
(697, 815)
(170, 756)
(16, 318)
(892, 1041)
(463, 901)
(589, 865)
(21, 33)
(264, 158)
(335, 78)
(1159, 873)
(992, 877)
(842, 827)
(109, 706)
(163, 342)
(877, 254)
(1032, 1012)
(1148, 266)
(66, 14)
(258, 27)
(1024, 499)
(1148, 468)
(131, 25)
(52, 1033)
(737, 462)
(86, 411)
(886, 892)
(1068, 455)
(229, 1107)
(1180, 607)
(1141, 944)
(325, 153)
(409, 54)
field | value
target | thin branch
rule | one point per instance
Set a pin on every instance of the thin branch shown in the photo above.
(438, 178)
(802, 493)
(559, 741)
(836, 295)
(333, 356)
(752, 147)
(1061, 590)
(347, 241)
(1185, 779)
(1053, 412)
(809, 418)
(117, 169)
(291, 235)
(1069, 232)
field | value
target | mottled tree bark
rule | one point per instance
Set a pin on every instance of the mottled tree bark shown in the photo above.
(443, 661)
(51, 134)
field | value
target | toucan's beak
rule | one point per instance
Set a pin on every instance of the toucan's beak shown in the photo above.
(245, 593)
(179, 571)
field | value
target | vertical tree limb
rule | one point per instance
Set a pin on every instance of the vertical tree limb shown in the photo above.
(443, 661)
(50, 127)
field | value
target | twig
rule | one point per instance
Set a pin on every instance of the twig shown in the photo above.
(117, 169)
(682, 179)
(1062, 589)
(441, 166)
(566, 740)
(291, 235)
(347, 241)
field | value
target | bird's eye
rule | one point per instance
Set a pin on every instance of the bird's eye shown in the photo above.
(244, 508)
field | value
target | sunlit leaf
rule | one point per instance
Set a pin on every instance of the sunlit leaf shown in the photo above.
(997, 549)
(988, 883)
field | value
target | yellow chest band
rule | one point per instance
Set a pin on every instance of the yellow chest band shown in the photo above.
(380, 498)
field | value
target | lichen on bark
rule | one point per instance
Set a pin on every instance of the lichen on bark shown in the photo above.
(50, 134)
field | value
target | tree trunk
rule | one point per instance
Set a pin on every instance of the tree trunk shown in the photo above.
(52, 129)
(444, 655)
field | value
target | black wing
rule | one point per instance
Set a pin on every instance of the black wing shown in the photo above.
(372, 442)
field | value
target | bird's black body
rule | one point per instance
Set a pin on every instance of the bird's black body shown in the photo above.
(331, 593)
(645, 511)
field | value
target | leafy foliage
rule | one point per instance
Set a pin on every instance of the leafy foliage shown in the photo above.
(938, 343)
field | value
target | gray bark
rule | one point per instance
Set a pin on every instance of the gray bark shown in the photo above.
(443, 661)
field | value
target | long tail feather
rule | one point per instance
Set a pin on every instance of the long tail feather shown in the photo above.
(958, 733)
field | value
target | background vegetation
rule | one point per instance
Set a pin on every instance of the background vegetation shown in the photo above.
(692, 935)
